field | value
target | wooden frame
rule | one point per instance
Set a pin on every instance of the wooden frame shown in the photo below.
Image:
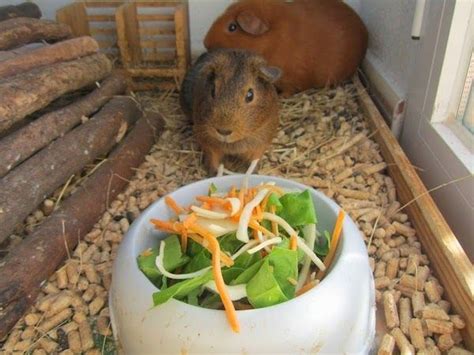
(146, 49)
(93, 18)
(449, 261)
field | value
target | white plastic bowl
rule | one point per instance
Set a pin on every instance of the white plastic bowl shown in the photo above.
(337, 316)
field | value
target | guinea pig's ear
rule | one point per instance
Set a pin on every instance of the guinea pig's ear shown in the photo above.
(271, 74)
(251, 23)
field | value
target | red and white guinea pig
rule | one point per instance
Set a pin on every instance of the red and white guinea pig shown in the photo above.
(314, 42)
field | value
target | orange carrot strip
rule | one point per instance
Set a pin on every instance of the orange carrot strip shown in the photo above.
(214, 201)
(190, 219)
(225, 259)
(173, 205)
(293, 242)
(264, 202)
(308, 286)
(258, 227)
(258, 212)
(165, 226)
(232, 192)
(255, 234)
(336, 233)
(274, 224)
(184, 240)
(218, 279)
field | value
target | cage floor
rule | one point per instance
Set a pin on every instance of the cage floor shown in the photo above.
(324, 142)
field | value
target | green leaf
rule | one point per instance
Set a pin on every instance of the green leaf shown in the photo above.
(213, 301)
(242, 263)
(198, 262)
(194, 248)
(298, 208)
(322, 243)
(273, 200)
(246, 275)
(173, 256)
(229, 243)
(181, 289)
(285, 266)
(147, 265)
(263, 289)
(192, 297)
(212, 189)
(285, 243)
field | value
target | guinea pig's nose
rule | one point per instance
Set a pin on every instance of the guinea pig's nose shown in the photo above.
(224, 132)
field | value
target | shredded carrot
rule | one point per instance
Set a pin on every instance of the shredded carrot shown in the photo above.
(147, 252)
(214, 201)
(165, 226)
(274, 224)
(264, 202)
(190, 219)
(308, 286)
(184, 240)
(173, 205)
(293, 242)
(336, 233)
(255, 234)
(258, 213)
(232, 192)
(274, 188)
(218, 279)
(225, 259)
(257, 227)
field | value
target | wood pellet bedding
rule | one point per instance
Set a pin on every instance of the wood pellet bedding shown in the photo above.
(324, 142)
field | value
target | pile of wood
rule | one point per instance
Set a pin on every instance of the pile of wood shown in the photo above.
(41, 146)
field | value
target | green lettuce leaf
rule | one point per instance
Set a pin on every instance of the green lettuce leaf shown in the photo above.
(229, 243)
(181, 289)
(298, 208)
(241, 264)
(198, 262)
(322, 243)
(285, 266)
(248, 273)
(273, 200)
(263, 289)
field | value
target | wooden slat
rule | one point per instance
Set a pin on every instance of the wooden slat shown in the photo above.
(158, 56)
(159, 43)
(155, 17)
(179, 20)
(93, 3)
(153, 3)
(158, 72)
(74, 15)
(101, 18)
(150, 31)
(102, 31)
(147, 86)
(106, 43)
(448, 259)
(128, 35)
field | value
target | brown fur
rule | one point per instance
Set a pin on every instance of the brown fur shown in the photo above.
(253, 124)
(314, 42)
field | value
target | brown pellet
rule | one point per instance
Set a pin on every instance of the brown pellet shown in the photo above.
(103, 326)
(93, 352)
(61, 278)
(402, 342)
(381, 282)
(12, 339)
(439, 326)
(445, 342)
(392, 268)
(67, 352)
(28, 332)
(456, 335)
(49, 288)
(32, 318)
(44, 303)
(79, 317)
(418, 303)
(48, 345)
(39, 352)
(458, 351)
(55, 320)
(82, 284)
(69, 327)
(23, 345)
(411, 282)
(72, 271)
(96, 305)
(61, 302)
(413, 263)
(422, 274)
(380, 269)
(403, 229)
(86, 336)
(74, 341)
(405, 290)
(433, 311)
(390, 310)
(88, 295)
(387, 345)
(416, 333)
(405, 314)
(403, 263)
(91, 274)
(432, 291)
(457, 321)
(445, 305)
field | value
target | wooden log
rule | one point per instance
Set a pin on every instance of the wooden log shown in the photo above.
(26, 93)
(23, 189)
(22, 30)
(21, 144)
(7, 55)
(58, 52)
(37, 257)
(26, 9)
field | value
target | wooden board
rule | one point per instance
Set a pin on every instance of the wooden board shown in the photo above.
(448, 259)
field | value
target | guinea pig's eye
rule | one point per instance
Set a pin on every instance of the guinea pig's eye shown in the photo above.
(249, 96)
(232, 27)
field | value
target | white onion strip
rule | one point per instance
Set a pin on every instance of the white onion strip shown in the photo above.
(202, 212)
(266, 243)
(234, 205)
(284, 224)
(244, 248)
(309, 233)
(303, 246)
(161, 267)
(235, 292)
(244, 220)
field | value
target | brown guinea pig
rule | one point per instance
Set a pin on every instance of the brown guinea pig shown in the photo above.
(314, 42)
(229, 95)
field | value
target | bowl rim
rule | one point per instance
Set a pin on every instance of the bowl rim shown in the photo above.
(331, 204)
